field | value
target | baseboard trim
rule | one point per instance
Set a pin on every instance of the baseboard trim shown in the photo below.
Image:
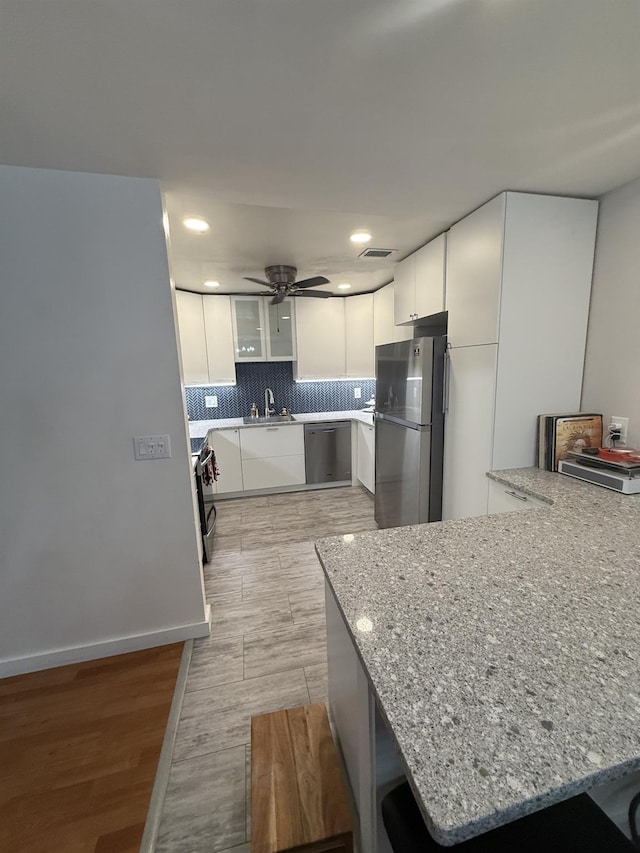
(156, 803)
(77, 654)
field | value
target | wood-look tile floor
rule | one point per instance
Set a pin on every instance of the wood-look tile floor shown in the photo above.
(267, 651)
(79, 747)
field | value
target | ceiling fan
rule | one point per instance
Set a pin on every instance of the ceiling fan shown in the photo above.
(282, 283)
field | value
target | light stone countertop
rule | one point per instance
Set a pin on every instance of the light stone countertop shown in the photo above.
(199, 429)
(503, 650)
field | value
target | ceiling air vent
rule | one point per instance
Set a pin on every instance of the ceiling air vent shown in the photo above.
(377, 253)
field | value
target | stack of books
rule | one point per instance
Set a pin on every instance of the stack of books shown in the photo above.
(559, 434)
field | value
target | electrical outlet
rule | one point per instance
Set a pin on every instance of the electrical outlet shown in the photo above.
(357, 393)
(151, 447)
(211, 402)
(624, 428)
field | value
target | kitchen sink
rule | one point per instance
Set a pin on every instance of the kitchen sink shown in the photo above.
(274, 419)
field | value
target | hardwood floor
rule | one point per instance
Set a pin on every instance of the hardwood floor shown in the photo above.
(79, 746)
(267, 651)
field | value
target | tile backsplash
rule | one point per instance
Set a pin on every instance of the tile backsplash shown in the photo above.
(234, 401)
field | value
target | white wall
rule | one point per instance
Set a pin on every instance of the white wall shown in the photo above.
(612, 367)
(94, 547)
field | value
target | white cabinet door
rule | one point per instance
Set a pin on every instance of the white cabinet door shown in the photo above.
(249, 335)
(274, 472)
(226, 444)
(474, 272)
(320, 332)
(219, 338)
(469, 430)
(404, 294)
(193, 347)
(359, 336)
(505, 499)
(430, 267)
(366, 456)
(384, 329)
(263, 441)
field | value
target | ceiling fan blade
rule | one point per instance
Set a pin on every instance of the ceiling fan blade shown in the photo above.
(312, 282)
(277, 299)
(320, 294)
(258, 281)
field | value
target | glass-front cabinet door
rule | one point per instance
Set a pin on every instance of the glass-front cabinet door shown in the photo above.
(261, 331)
(249, 338)
(281, 339)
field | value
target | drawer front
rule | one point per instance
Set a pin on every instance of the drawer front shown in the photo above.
(506, 499)
(266, 441)
(273, 472)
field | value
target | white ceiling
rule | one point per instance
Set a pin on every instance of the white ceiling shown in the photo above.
(288, 123)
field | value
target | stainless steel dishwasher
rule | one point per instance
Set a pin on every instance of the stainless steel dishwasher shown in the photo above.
(327, 452)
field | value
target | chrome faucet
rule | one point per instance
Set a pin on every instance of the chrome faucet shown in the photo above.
(268, 403)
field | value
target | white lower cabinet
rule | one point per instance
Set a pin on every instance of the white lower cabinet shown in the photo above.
(226, 444)
(507, 499)
(272, 456)
(366, 456)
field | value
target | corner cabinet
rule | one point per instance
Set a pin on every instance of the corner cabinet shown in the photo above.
(384, 329)
(420, 282)
(518, 286)
(359, 350)
(206, 339)
(262, 331)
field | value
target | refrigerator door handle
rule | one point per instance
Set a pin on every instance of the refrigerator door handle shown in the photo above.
(447, 379)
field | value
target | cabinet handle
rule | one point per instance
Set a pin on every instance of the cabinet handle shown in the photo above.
(446, 381)
(515, 495)
(272, 429)
(328, 430)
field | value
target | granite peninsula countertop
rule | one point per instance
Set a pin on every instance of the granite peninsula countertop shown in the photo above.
(199, 429)
(503, 650)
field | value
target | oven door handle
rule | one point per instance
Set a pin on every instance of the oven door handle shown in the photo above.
(211, 523)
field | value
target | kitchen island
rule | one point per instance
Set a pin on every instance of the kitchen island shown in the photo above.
(493, 660)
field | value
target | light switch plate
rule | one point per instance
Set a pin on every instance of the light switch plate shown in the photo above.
(357, 393)
(151, 447)
(211, 401)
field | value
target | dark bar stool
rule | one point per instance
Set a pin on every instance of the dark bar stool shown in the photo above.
(577, 825)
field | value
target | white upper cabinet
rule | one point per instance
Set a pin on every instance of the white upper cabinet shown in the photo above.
(384, 329)
(430, 263)
(420, 282)
(320, 327)
(206, 339)
(359, 336)
(474, 274)
(219, 339)
(261, 331)
(404, 293)
(193, 347)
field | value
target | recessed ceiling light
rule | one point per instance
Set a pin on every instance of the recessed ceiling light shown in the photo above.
(195, 223)
(285, 318)
(212, 284)
(344, 286)
(360, 237)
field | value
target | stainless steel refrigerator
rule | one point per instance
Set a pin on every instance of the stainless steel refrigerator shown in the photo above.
(409, 421)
